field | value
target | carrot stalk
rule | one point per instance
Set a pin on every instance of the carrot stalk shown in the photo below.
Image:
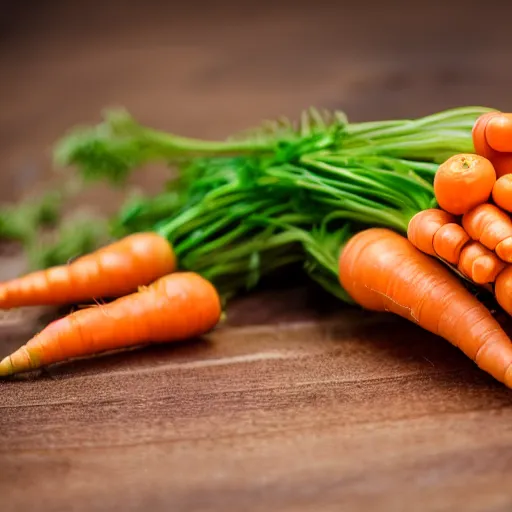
(463, 182)
(175, 307)
(479, 263)
(449, 241)
(114, 270)
(383, 271)
(423, 227)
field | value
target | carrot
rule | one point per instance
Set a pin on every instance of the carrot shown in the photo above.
(479, 263)
(175, 307)
(503, 289)
(489, 225)
(383, 271)
(502, 192)
(502, 163)
(498, 133)
(463, 182)
(449, 241)
(114, 270)
(480, 143)
(423, 227)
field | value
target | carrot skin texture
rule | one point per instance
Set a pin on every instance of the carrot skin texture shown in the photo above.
(480, 143)
(503, 289)
(176, 307)
(479, 263)
(423, 227)
(502, 192)
(111, 271)
(383, 271)
(498, 133)
(504, 250)
(502, 163)
(449, 240)
(463, 182)
(487, 224)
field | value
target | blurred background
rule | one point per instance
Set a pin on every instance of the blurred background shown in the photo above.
(206, 69)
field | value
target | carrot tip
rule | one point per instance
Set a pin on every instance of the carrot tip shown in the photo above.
(504, 250)
(508, 377)
(6, 367)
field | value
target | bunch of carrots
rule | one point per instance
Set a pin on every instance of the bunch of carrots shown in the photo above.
(397, 216)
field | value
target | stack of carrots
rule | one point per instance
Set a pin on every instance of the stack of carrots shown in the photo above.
(465, 237)
(154, 303)
(471, 233)
(472, 229)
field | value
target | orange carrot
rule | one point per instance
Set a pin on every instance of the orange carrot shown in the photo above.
(383, 271)
(502, 163)
(498, 133)
(479, 263)
(423, 227)
(114, 270)
(488, 224)
(480, 143)
(503, 289)
(175, 307)
(463, 182)
(449, 241)
(502, 192)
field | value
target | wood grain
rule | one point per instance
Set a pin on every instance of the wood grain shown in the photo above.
(297, 403)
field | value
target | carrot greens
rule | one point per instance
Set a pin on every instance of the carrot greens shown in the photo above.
(280, 194)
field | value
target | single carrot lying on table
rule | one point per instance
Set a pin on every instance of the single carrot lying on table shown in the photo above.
(383, 271)
(112, 271)
(175, 307)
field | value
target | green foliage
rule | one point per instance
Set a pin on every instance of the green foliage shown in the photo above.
(281, 194)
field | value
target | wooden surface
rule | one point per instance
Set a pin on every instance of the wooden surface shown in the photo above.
(297, 403)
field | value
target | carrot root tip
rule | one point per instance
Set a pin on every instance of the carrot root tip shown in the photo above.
(6, 367)
(504, 250)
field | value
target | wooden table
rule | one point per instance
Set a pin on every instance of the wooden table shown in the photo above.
(298, 403)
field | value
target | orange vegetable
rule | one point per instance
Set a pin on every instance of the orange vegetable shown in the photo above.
(424, 225)
(463, 182)
(487, 224)
(502, 163)
(383, 271)
(503, 289)
(114, 270)
(175, 307)
(480, 143)
(498, 133)
(502, 192)
(449, 241)
(479, 263)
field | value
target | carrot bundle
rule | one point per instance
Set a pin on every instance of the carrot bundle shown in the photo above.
(175, 307)
(435, 232)
(271, 203)
(480, 248)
